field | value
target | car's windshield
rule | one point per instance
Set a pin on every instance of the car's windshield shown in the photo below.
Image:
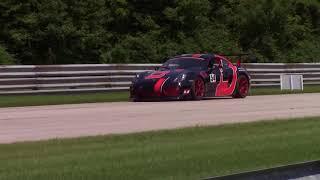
(182, 63)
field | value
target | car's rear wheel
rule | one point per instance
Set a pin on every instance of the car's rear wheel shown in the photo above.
(242, 88)
(198, 89)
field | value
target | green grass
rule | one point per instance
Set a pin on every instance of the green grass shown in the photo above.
(276, 90)
(36, 100)
(182, 154)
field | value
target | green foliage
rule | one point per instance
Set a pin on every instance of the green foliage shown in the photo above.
(5, 57)
(141, 31)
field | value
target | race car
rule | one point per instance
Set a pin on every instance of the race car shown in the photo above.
(192, 76)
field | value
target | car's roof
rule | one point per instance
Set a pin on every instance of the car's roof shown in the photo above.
(197, 56)
(206, 56)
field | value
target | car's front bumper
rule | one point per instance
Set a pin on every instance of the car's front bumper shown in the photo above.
(168, 90)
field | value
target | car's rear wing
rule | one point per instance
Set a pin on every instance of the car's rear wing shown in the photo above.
(237, 55)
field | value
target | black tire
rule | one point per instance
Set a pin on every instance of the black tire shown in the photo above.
(242, 87)
(197, 93)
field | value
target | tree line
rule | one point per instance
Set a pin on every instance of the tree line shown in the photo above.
(147, 31)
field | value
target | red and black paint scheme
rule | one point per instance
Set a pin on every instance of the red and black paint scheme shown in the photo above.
(192, 76)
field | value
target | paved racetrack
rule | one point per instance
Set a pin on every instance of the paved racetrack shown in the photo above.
(46, 122)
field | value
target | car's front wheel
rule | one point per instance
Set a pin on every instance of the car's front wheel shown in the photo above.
(198, 89)
(242, 88)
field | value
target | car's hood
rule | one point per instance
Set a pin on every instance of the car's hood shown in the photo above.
(164, 73)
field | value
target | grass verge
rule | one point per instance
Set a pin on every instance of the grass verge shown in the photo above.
(276, 90)
(190, 153)
(37, 100)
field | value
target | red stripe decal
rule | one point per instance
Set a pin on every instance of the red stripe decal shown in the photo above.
(196, 55)
(157, 74)
(179, 70)
(223, 88)
(157, 86)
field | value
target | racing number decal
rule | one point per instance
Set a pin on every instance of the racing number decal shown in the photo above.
(212, 78)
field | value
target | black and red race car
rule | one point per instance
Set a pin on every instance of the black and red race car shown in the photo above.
(192, 76)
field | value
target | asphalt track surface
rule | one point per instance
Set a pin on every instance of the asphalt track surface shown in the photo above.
(61, 121)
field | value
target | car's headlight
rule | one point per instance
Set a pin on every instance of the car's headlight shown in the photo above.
(180, 78)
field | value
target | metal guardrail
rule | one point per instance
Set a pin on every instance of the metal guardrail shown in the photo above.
(307, 170)
(30, 79)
